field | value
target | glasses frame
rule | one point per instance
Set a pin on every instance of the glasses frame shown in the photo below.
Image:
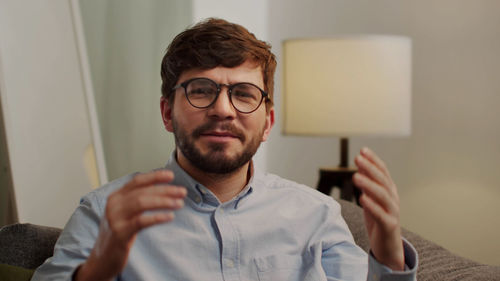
(264, 95)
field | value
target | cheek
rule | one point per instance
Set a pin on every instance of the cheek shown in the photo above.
(187, 119)
(254, 126)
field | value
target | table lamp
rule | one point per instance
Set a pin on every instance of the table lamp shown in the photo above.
(347, 86)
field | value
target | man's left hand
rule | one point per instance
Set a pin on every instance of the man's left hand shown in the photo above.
(380, 203)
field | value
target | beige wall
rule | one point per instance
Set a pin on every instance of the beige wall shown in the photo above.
(447, 171)
(44, 109)
(126, 41)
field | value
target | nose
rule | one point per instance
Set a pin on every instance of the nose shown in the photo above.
(222, 107)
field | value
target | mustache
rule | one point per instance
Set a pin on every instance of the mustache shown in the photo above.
(222, 126)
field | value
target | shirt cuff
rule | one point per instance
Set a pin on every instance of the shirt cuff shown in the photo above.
(380, 272)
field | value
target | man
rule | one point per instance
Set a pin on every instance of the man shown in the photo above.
(210, 214)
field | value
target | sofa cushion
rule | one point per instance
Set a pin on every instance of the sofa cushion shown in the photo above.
(27, 245)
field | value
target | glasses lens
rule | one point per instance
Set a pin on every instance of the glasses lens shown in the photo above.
(201, 92)
(246, 97)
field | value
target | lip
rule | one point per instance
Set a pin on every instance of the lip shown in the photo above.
(219, 136)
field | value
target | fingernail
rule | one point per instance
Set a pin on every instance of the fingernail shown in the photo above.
(179, 202)
(167, 172)
(168, 216)
(183, 191)
(359, 158)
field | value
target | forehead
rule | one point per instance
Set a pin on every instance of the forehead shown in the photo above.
(246, 72)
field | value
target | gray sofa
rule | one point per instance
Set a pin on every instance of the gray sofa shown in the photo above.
(23, 247)
(435, 262)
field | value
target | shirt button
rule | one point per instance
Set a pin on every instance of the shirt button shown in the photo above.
(229, 263)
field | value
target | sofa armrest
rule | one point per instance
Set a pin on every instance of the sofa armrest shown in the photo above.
(27, 245)
(435, 262)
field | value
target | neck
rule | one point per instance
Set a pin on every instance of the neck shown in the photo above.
(224, 186)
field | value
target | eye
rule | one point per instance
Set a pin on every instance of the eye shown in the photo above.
(201, 91)
(242, 94)
(201, 88)
(246, 92)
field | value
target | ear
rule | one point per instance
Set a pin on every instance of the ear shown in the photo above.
(269, 124)
(166, 114)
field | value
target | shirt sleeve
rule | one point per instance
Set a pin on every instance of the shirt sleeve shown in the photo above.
(379, 272)
(75, 243)
(341, 258)
(344, 260)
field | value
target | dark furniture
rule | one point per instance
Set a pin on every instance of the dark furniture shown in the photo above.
(341, 178)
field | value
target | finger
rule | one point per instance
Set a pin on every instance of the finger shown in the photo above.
(126, 205)
(153, 198)
(370, 170)
(129, 228)
(155, 177)
(139, 205)
(376, 192)
(172, 191)
(148, 220)
(372, 157)
(378, 214)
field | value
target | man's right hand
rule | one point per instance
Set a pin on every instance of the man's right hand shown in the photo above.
(126, 214)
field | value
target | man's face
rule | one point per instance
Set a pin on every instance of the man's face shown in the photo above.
(217, 139)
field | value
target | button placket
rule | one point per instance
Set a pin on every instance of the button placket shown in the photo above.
(229, 245)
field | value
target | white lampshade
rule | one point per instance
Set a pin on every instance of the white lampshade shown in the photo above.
(348, 86)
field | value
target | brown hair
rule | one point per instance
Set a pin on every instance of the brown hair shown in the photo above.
(216, 42)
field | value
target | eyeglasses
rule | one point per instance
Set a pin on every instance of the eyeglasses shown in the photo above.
(203, 92)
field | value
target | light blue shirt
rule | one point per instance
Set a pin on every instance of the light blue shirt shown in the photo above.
(275, 229)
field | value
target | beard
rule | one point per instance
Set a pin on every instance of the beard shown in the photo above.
(215, 161)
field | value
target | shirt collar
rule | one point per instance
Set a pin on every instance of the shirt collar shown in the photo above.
(198, 193)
